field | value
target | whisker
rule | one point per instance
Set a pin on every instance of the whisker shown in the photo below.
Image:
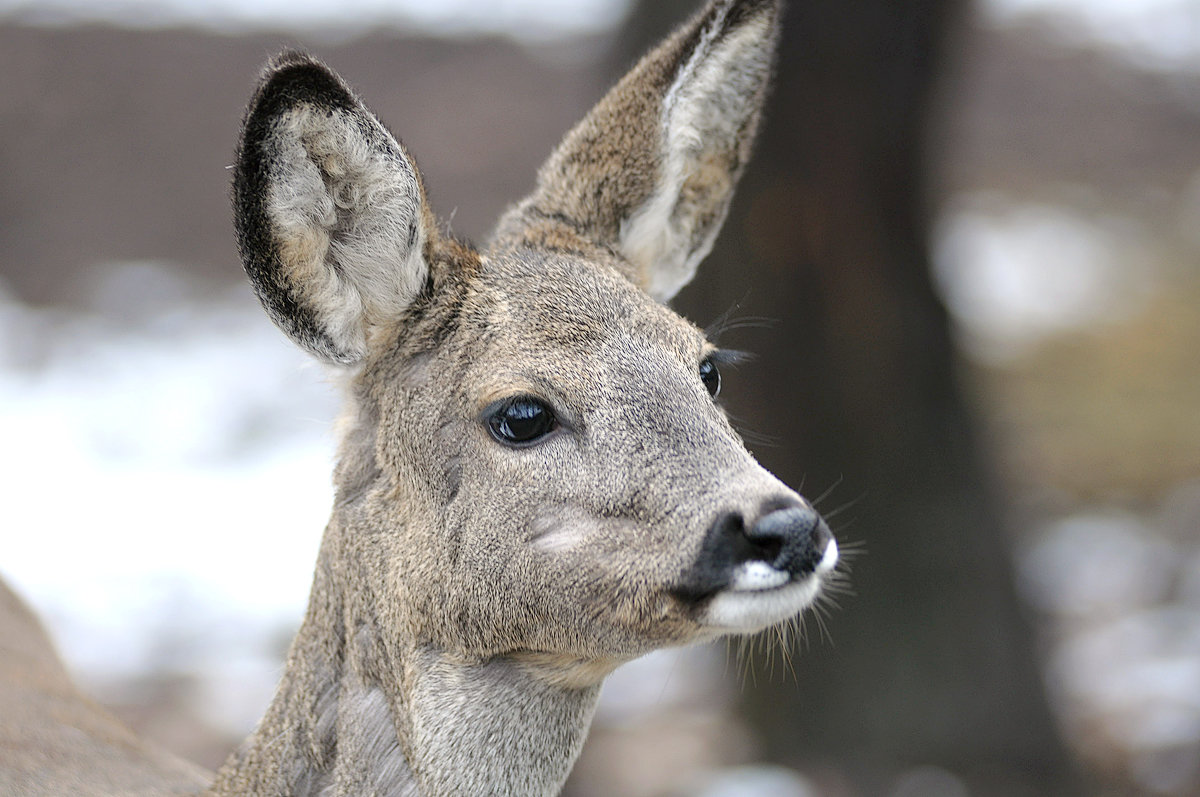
(719, 324)
(820, 615)
(840, 509)
(829, 491)
(848, 552)
(749, 322)
(727, 321)
(756, 439)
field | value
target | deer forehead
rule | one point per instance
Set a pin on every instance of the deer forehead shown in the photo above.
(575, 297)
(562, 327)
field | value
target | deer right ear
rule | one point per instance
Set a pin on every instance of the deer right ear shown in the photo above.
(650, 171)
(331, 216)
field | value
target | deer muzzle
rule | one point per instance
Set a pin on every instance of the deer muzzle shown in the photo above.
(751, 574)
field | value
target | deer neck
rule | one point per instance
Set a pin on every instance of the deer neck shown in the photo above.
(346, 721)
(494, 728)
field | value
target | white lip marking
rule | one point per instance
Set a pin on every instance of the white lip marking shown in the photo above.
(746, 612)
(760, 595)
(756, 575)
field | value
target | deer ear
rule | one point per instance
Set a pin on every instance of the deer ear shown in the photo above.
(331, 216)
(650, 171)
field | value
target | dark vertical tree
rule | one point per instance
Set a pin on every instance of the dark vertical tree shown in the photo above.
(931, 659)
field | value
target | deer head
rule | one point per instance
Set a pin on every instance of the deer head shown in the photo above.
(535, 481)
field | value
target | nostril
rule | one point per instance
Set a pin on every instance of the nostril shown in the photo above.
(763, 547)
(795, 538)
(771, 534)
(787, 542)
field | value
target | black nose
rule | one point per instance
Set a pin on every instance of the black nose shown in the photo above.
(792, 539)
(787, 536)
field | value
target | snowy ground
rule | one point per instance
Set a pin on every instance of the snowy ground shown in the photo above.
(165, 481)
(991, 263)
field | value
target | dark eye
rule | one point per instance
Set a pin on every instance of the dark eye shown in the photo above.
(521, 420)
(710, 376)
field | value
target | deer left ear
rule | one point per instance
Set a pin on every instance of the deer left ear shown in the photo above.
(331, 216)
(650, 171)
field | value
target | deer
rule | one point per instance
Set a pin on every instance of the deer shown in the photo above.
(534, 483)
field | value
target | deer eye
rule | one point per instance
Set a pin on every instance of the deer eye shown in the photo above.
(521, 421)
(710, 376)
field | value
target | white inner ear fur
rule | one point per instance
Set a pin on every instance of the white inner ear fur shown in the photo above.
(346, 209)
(703, 118)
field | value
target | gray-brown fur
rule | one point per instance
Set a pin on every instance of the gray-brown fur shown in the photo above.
(475, 586)
(55, 741)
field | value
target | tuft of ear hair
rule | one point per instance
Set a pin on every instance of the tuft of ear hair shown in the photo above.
(333, 224)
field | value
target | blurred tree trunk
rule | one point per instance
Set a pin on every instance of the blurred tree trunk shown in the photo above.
(931, 659)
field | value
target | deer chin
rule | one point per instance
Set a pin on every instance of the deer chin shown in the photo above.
(760, 596)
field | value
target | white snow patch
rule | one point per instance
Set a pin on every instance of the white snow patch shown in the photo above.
(1012, 274)
(165, 488)
(1161, 34)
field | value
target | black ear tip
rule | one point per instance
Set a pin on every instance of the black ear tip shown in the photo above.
(291, 65)
(295, 77)
(289, 58)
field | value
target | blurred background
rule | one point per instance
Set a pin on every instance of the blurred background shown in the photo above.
(967, 256)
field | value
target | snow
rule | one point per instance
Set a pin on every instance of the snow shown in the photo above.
(1013, 273)
(165, 486)
(1157, 33)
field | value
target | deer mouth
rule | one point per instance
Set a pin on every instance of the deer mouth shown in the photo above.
(759, 595)
(758, 571)
(756, 575)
